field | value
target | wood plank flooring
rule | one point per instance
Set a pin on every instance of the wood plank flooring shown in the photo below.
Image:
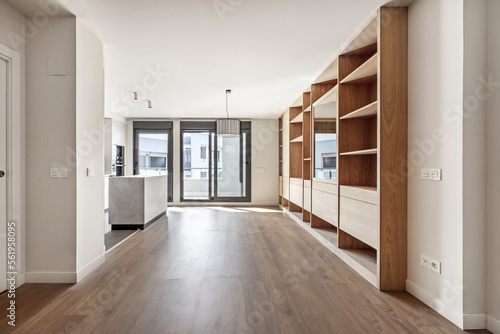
(221, 270)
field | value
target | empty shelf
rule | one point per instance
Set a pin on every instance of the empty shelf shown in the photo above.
(297, 140)
(366, 111)
(366, 70)
(330, 96)
(362, 152)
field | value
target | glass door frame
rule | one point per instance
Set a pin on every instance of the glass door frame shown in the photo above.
(152, 127)
(210, 127)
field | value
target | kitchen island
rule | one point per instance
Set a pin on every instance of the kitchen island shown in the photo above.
(135, 202)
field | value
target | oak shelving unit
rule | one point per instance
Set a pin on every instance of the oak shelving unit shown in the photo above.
(306, 155)
(296, 139)
(372, 134)
(364, 210)
(280, 164)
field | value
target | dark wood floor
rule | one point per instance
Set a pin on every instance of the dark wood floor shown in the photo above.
(220, 270)
(113, 238)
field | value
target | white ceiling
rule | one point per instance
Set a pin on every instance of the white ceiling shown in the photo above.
(266, 51)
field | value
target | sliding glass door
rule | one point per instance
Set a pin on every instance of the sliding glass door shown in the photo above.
(197, 159)
(214, 168)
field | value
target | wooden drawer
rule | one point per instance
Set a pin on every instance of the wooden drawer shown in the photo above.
(359, 219)
(296, 181)
(330, 187)
(307, 199)
(296, 193)
(365, 194)
(286, 190)
(325, 206)
(307, 183)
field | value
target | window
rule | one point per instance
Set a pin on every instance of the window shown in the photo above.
(329, 161)
(203, 175)
(203, 153)
(187, 158)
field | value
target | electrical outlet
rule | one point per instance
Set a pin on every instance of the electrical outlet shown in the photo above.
(436, 266)
(429, 263)
(430, 174)
(424, 260)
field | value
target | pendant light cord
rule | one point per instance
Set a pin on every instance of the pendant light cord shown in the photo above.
(227, 112)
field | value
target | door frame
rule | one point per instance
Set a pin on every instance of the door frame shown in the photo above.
(15, 169)
(211, 126)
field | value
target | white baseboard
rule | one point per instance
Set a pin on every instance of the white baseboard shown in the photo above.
(34, 277)
(464, 321)
(68, 277)
(435, 303)
(20, 280)
(493, 325)
(474, 321)
(90, 267)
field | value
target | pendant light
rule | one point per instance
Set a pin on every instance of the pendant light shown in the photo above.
(228, 127)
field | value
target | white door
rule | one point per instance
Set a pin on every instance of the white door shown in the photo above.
(3, 170)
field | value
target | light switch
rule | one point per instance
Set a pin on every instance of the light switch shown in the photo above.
(59, 172)
(435, 174)
(430, 174)
(260, 169)
(90, 172)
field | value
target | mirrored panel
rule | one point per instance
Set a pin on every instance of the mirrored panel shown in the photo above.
(325, 141)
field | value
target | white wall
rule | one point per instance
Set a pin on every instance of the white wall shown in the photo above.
(50, 141)
(446, 127)
(435, 211)
(90, 148)
(12, 37)
(119, 133)
(493, 170)
(264, 156)
(474, 178)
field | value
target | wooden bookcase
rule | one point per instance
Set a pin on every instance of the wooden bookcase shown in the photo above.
(365, 208)
(306, 156)
(280, 163)
(296, 140)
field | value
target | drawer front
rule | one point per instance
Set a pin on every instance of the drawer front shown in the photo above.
(364, 194)
(307, 199)
(325, 206)
(296, 194)
(359, 219)
(296, 181)
(286, 190)
(281, 188)
(327, 187)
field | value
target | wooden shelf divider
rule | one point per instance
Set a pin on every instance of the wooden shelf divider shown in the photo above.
(299, 139)
(330, 96)
(361, 152)
(298, 119)
(366, 71)
(369, 110)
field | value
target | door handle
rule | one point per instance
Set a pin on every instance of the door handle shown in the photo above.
(2, 173)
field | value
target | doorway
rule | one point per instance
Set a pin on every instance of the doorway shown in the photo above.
(215, 168)
(153, 149)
